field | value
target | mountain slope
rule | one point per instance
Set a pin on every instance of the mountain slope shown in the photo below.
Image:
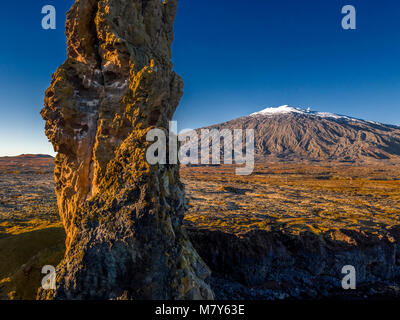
(27, 162)
(292, 133)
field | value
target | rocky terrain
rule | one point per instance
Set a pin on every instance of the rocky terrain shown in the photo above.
(122, 216)
(283, 232)
(287, 230)
(289, 133)
(31, 234)
(27, 188)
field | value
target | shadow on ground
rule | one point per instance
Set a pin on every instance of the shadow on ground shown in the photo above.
(22, 257)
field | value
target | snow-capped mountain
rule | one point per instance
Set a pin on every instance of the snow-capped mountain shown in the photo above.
(294, 133)
(280, 110)
(285, 109)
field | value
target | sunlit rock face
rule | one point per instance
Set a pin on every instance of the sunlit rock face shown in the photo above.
(123, 217)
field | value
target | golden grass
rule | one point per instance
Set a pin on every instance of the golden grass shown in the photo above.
(24, 252)
(296, 197)
(284, 196)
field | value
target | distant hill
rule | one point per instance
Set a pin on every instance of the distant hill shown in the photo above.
(289, 133)
(27, 162)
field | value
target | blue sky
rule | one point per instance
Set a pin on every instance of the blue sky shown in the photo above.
(236, 57)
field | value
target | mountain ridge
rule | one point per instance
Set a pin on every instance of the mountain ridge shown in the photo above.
(289, 133)
(286, 109)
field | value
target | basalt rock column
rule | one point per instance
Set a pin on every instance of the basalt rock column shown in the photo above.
(123, 217)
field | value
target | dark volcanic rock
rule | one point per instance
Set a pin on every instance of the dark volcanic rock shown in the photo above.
(273, 265)
(122, 216)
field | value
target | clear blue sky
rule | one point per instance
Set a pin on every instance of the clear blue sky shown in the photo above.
(236, 57)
